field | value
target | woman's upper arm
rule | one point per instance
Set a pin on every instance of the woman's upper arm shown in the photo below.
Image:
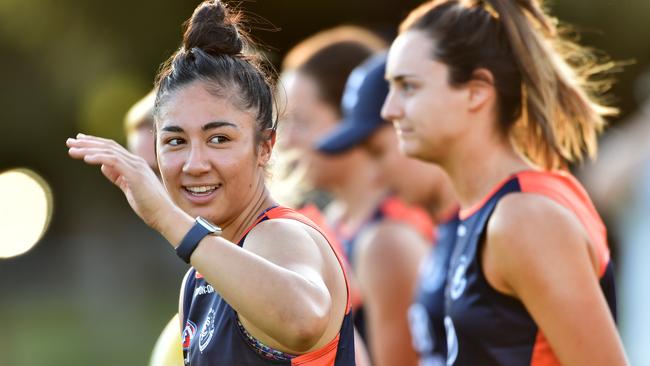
(287, 244)
(538, 251)
(388, 256)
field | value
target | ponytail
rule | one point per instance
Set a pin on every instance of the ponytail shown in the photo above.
(547, 99)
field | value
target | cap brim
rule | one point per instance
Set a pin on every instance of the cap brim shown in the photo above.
(345, 136)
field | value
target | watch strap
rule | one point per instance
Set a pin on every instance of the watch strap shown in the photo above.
(193, 237)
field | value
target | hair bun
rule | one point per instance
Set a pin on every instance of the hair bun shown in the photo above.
(213, 29)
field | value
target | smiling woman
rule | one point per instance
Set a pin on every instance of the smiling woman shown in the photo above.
(188, 152)
(266, 287)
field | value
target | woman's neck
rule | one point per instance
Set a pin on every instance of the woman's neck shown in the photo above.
(356, 199)
(444, 205)
(261, 200)
(477, 171)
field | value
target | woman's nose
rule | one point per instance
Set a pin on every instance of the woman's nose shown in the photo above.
(196, 162)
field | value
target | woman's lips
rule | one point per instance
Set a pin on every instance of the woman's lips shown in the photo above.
(404, 130)
(200, 194)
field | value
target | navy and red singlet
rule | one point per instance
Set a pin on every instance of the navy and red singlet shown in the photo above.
(214, 336)
(485, 327)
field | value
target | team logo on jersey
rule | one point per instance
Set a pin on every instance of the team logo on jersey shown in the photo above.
(188, 334)
(458, 281)
(461, 230)
(207, 331)
(452, 341)
(433, 272)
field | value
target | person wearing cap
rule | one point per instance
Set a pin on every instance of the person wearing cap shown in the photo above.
(386, 253)
(341, 190)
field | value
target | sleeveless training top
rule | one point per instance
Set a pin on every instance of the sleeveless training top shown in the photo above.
(427, 312)
(486, 327)
(214, 336)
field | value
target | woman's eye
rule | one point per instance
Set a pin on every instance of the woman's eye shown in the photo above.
(175, 141)
(219, 139)
(408, 87)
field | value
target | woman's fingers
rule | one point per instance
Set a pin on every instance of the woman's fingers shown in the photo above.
(113, 161)
(112, 175)
(102, 159)
(84, 148)
(129, 172)
(94, 155)
(94, 142)
(116, 162)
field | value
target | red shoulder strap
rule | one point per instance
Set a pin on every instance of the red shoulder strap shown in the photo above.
(396, 209)
(564, 189)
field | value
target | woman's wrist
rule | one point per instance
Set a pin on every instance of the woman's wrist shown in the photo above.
(173, 224)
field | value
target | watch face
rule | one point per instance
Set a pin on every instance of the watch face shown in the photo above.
(214, 229)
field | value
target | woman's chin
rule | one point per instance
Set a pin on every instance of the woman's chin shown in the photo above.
(410, 148)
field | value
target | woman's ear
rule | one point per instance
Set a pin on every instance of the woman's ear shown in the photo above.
(266, 148)
(481, 89)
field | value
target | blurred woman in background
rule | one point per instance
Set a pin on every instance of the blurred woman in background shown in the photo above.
(138, 126)
(361, 201)
(314, 73)
(388, 254)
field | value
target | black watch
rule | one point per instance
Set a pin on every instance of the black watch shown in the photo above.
(191, 240)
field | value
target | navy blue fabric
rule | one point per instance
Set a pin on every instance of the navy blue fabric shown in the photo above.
(427, 312)
(483, 326)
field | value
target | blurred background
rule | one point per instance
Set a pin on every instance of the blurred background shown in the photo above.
(99, 285)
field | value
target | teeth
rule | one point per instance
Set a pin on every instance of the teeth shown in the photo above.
(201, 189)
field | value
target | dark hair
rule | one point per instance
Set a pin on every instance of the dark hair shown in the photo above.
(328, 57)
(546, 101)
(216, 52)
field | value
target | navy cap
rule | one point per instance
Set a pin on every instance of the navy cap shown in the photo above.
(364, 95)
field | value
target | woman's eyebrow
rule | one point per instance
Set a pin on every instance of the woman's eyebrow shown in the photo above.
(205, 127)
(217, 124)
(172, 129)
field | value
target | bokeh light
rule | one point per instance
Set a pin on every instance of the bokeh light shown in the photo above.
(26, 209)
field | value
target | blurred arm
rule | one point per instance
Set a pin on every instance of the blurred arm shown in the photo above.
(388, 259)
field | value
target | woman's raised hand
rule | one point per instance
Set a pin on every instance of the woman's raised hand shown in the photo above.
(142, 188)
